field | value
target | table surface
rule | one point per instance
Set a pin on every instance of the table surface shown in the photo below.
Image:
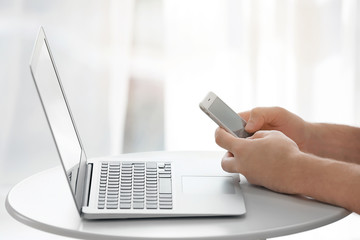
(44, 201)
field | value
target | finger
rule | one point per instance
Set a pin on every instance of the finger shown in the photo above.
(228, 163)
(259, 134)
(224, 139)
(245, 115)
(261, 116)
(229, 142)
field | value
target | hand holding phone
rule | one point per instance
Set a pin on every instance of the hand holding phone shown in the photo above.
(224, 116)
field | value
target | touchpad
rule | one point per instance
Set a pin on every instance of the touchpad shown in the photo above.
(208, 185)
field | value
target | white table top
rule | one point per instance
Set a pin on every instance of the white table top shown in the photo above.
(44, 201)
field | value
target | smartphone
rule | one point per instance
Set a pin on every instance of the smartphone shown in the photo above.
(224, 116)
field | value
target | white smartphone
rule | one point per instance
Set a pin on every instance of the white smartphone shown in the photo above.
(224, 116)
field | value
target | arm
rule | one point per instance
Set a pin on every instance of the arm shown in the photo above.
(328, 181)
(325, 140)
(272, 160)
(339, 142)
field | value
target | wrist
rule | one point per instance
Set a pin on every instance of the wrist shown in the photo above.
(311, 176)
(327, 180)
(300, 169)
(308, 131)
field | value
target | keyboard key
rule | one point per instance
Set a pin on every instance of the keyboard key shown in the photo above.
(165, 175)
(165, 195)
(164, 185)
(125, 205)
(151, 198)
(165, 201)
(101, 206)
(151, 206)
(112, 200)
(151, 165)
(162, 206)
(112, 206)
(140, 196)
(138, 205)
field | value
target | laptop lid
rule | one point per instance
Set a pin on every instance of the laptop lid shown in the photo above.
(59, 117)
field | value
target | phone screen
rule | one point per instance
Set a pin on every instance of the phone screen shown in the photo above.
(228, 118)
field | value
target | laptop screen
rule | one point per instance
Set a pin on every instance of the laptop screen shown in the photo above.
(57, 111)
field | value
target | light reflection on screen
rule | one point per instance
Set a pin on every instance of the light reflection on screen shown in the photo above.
(58, 115)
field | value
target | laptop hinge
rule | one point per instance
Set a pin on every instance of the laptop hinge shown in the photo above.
(88, 184)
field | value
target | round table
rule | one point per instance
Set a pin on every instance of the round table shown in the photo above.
(44, 201)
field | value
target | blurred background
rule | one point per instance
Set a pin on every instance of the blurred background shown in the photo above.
(135, 70)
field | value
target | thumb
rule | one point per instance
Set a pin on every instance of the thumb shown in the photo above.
(255, 122)
(228, 163)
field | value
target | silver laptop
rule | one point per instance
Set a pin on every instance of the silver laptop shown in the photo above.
(127, 187)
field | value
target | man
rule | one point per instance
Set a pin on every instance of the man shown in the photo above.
(289, 155)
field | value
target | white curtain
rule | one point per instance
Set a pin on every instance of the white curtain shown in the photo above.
(91, 43)
(301, 54)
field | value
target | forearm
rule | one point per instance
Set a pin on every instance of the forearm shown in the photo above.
(328, 181)
(338, 142)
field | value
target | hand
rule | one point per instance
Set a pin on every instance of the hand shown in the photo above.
(266, 158)
(276, 118)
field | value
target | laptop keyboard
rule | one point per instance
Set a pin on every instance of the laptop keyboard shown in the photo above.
(136, 185)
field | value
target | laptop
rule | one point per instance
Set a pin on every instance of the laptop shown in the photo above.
(126, 187)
